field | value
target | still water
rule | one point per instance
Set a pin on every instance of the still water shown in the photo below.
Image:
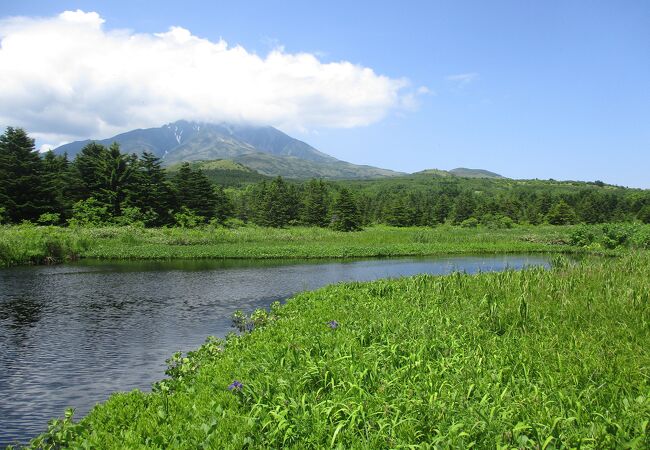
(70, 335)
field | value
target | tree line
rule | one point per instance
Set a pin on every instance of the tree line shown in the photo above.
(103, 185)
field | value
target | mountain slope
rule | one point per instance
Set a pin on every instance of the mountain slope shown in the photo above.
(223, 171)
(264, 149)
(474, 173)
(461, 172)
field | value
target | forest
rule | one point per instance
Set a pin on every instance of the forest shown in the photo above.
(102, 185)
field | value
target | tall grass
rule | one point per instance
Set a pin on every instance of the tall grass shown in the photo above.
(540, 358)
(30, 244)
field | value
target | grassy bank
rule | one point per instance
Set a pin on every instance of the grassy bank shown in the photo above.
(38, 245)
(530, 359)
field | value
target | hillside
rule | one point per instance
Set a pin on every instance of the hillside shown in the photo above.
(474, 173)
(460, 172)
(264, 149)
(224, 172)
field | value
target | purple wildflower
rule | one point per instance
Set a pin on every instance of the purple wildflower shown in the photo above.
(333, 324)
(235, 386)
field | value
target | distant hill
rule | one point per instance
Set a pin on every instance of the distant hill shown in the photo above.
(474, 173)
(223, 171)
(460, 172)
(264, 149)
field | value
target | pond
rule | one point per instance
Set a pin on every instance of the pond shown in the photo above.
(72, 334)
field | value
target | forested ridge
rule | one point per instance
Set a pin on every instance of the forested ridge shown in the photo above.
(102, 185)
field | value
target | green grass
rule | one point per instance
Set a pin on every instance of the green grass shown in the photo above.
(37, 245)
(532, 359)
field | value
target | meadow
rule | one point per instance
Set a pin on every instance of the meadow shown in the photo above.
(31, 244)
(537, 358)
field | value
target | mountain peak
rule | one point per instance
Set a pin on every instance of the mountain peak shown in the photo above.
(263, 148)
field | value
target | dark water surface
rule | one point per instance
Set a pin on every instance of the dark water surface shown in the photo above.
(70, 335)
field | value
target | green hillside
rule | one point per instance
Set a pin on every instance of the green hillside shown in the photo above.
(224, 172)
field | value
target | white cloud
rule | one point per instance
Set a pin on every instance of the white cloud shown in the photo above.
(67, 77)
(463, 79)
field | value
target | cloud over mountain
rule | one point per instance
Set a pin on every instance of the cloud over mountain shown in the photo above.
(69, 77)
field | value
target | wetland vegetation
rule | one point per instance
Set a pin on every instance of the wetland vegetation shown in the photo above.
(529, 359)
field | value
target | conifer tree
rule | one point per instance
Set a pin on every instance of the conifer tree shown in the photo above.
(194, 191)
(274, 210)
(88, 172)
(22, 191)
(345, 216)
(152, 193)
(55, 178)
(463, 207)
(561, 214)
(315, 203)
(117, 179)
(223, 206)
(399, 214)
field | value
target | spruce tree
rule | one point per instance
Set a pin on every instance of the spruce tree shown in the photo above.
(117, 179)
(55, 178)
(22, 190)
(315, 203)
(275, 207)
(88, 173)
(398, 214)
(152, 193)
(223, 206)
(345, 215)
(463, 207)
(194, 191)
(561, 214)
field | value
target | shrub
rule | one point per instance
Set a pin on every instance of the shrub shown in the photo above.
(472, 222)
(134, 216)
(49, 218)
(186, 218)
(582, 236)
(616, 234)
(88, 212)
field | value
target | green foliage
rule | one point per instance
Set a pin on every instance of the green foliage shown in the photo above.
(23, 192)
(225, 172)
(644, 214)
(89, 212)
(345, 216)
(616, 235)
(472, 222)
(49, 219)
(531, 359)
(582, 236)
(561, 214)
(195, 192)
(258, 319)
(399, 214)
(186, 218)
(24, 245)
(132, 216)
(277, 204)
(463, 207)
(61, 433)
(151, 192)
(315, 206)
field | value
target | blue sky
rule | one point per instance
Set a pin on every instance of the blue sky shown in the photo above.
(553, 89)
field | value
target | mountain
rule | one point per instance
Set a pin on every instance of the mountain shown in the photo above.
(460, 172)
(264, 149)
